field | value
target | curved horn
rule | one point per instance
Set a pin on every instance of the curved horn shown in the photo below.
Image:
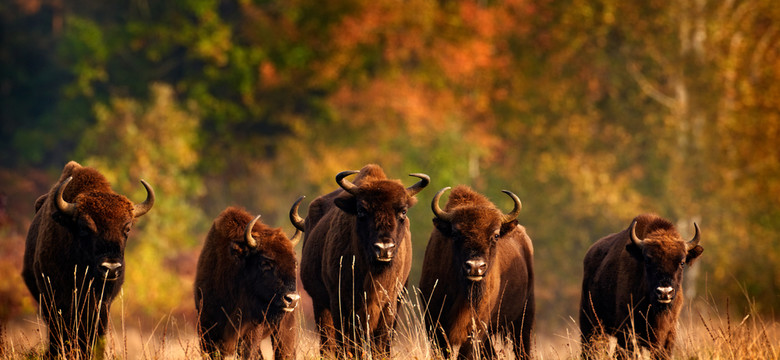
(695, 241)
(248, 233)
(346, 184)
(297, 221)
(441, 214)
(515, 211)
(638, 242)
(62, 205)
(144, 207)
(416, 188)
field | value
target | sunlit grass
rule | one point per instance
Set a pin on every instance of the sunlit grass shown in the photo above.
(706, 330)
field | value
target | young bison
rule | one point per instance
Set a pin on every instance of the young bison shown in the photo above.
(478, 277)
(245, 287)
(632, 285)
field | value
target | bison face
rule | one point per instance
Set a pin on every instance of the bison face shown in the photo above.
(664, 256)
(100, 237)
(474, 231)
(380, 210)
(380, 220)
(99, 223)
(267, 272)
(269, 277)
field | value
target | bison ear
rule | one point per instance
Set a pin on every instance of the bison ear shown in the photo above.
(693, 254)
(348, 204)
(443, 226)
(508, 227)
(635, 251)
(237, 249)
(63, 219)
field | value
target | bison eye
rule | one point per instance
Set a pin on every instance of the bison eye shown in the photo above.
(682, 264)
(402, 215)
(361, 212)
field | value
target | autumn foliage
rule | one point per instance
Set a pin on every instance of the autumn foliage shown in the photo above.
(590, 111)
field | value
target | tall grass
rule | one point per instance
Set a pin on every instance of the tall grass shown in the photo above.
(706, 330)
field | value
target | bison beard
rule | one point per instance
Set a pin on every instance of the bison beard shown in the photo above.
(74, 257)
(632, 286)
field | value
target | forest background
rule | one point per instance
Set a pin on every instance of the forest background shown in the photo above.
(590, 111)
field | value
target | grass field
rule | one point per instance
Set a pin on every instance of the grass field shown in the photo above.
(705, 331)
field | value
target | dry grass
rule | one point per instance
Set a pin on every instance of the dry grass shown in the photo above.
(706, 331)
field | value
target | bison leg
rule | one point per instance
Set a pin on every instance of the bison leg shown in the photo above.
(625, 348)
(521, 331)
(326, 329)
(284, 338)
(383, 335)
(590, 326)
(664, 351)
(476, 348)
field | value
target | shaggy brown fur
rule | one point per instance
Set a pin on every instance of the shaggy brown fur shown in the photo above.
(241, 291)
(351, 289)
(64, 255)
(460, 310)
(621, 282)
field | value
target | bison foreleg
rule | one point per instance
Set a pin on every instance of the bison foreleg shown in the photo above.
(326, 329)
(284, 338)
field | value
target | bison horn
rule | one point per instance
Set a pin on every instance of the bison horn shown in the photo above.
(297, 221)
(441, 214)
(416, 188)
(248, 234)
(346, 184)
(695, 241)
(144, 207)
(515, 211)
(62, 205)
(638, 242)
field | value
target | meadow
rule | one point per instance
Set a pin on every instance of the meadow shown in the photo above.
(705, 331)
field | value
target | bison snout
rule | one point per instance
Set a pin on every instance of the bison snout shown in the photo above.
(291, 301)
(111, 270)
(475, 269)
(664, 294)
(384, 251)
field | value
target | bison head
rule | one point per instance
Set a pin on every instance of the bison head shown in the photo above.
(380, 208)
(474, 229)
(100, 223)
(267, 273)
(664, 256)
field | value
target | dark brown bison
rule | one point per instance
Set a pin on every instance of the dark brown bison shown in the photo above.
(633, 285)
(245, 287)
(74, 261)
(356, 258)
(477, 276)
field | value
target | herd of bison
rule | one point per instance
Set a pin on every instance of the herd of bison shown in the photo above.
(477, 276)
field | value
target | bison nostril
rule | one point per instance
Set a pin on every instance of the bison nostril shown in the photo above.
(111, 270)
(665, 294)
(291, 301)
(384, 246)
(475, 267)
(111, 266)
(384, 251)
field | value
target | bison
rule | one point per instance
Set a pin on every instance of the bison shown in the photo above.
(245, 287)
(477, 277)
(632, 286)
(74, 262)
(356, 258)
